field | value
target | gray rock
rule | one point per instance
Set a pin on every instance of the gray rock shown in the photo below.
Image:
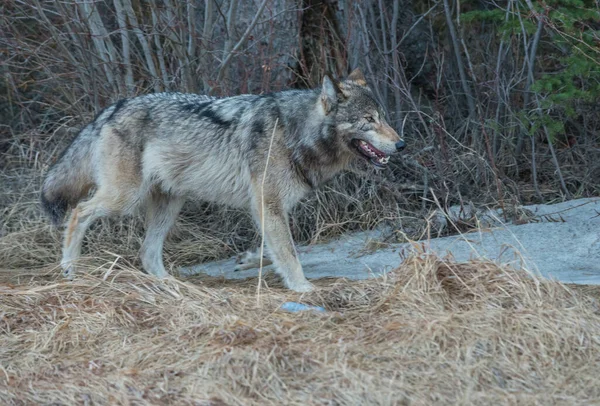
(560, 241)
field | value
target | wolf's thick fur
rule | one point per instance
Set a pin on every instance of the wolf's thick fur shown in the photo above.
(260, 152)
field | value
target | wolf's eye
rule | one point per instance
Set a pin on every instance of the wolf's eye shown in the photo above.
(370, 119)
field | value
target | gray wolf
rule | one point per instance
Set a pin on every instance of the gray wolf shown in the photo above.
(258, 152)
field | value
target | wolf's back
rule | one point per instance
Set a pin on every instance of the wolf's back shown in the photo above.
(72, 175)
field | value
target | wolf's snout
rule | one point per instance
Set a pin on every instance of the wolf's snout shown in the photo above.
(400, 145)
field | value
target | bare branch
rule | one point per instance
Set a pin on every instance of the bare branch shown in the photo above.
(191, 20)
(143, 42)
(159, 48)
(459, 61)
(396, 61)
(100, 38)
(209, 12)
(530, 76)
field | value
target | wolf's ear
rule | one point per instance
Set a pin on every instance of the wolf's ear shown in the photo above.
(357, 77)
(329, 94)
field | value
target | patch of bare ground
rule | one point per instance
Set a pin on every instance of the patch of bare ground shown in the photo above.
(430, 332)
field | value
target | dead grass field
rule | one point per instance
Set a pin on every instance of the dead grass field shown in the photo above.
(428, 333)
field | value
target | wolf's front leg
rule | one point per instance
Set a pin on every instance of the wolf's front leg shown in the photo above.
(280, 244)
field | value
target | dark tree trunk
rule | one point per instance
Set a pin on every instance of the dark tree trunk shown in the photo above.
(321, 47)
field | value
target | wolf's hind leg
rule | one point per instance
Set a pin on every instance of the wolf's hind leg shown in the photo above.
(161, 213)
(250, 260)
(100, 205)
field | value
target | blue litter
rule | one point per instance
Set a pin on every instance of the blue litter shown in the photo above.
(299, 307)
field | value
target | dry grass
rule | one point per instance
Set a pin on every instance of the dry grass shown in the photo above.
(430, 332)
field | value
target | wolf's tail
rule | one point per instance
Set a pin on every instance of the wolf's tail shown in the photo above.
(71, 177)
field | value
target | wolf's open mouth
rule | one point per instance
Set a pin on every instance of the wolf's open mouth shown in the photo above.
(376, 157)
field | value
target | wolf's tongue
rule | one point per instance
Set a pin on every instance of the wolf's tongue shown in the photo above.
(377, 157)
(371, 150)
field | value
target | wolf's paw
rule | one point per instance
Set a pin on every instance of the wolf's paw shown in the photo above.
(68, 270)
(158, 273)
(301, 287)
(250, 260)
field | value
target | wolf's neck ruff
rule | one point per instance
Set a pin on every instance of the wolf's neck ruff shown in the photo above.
(259, 152)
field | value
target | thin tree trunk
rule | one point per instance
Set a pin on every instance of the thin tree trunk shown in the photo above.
(160, 55)
(101, 40)
(534, 170)
(384, 32)
(563, 185)
(530, 79)
(144, 43)
(231, 22)
(191, 20)
(367, 59)
(459, 61)
(175, 35)
(121, 21)
(396, 63)
(496, 141)
(80, 46)
(209, 12)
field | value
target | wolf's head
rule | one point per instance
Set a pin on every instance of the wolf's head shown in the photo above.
(360, 119)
